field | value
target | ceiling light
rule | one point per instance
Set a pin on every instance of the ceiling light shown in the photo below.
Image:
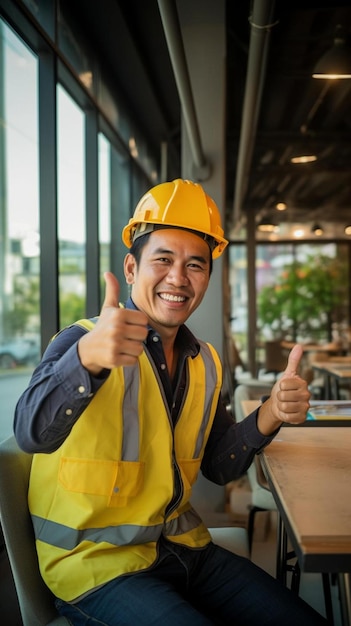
(336, 62)
(298, 233)
(348, 230)
(317, 230)
(267, 225)
(304, 158)
(281, 206)
(304, 153)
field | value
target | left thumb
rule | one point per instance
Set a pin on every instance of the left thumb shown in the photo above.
(294, 360)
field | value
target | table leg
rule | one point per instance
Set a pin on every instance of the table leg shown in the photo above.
(335, 394)
(281, 550)
(345, 598)
(283, 557)
(327, 390)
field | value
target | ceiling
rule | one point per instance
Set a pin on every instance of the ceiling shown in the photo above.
(295, 110)
(274, 106)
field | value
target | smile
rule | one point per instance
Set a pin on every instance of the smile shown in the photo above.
(170, 298)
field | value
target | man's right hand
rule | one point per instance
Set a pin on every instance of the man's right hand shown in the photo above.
(117, 338)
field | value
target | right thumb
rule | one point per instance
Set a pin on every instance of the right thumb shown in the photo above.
(111, 291)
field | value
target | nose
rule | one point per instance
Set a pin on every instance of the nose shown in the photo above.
(177, 275)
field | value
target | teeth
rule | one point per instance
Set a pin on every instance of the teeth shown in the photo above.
(168, 296)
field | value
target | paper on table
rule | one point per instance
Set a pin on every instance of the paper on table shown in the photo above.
(328, 409)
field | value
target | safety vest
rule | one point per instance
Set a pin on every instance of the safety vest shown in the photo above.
(100, 503)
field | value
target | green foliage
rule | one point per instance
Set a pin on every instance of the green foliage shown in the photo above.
(23, 314)
(307, 298)
(72, 308)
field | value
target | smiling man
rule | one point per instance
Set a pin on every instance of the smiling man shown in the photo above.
(122, 413)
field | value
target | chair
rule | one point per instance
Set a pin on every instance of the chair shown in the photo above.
(261, 498)
(275, 358)
(35, 599)
(232, 538)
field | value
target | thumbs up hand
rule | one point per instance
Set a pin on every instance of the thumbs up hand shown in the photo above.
(117, 338)
(289, 399)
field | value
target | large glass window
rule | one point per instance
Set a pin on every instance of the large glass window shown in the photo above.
(71, 208)
(19, 221)
(302, 294)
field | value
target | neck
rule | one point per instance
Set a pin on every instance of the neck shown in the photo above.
(171, 354)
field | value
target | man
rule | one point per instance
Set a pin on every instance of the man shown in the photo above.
(122, 413)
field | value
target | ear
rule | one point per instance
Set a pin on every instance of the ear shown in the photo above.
(129, 268)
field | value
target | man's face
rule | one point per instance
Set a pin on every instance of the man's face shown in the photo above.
(172, 277)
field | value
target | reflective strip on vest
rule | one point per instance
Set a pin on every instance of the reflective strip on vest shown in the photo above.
(68, 538)
(211, 379)
(128, 534)
(130, 445)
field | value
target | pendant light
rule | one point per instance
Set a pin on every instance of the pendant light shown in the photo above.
(335, 62)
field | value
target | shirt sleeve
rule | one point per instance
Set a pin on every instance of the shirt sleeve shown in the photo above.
(58, 392)
(231, 446)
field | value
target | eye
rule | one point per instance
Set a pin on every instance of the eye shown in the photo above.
(196, 266)
(163, 259)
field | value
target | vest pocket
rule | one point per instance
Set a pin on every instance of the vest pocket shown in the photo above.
(117, 480)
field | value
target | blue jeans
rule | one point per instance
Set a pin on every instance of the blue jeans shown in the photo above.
(193, 588)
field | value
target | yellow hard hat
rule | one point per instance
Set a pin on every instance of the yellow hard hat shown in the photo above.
(177, 204)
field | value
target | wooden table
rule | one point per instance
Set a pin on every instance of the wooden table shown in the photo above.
(309, 473)
(249, 406)
(334, 370)
(331, 348)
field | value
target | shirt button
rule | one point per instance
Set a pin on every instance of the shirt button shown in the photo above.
(90, 395)
(244, 447)
(68, 411)
(155, 338)
(232, 456)
(81, 389)
(163, 367)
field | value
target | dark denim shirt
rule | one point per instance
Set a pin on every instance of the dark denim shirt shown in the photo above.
(61, 388)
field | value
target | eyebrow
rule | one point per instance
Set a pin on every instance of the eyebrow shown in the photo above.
(194, 257)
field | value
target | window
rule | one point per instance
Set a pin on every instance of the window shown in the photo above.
(302, 294)
(71, 208)
(19, 221)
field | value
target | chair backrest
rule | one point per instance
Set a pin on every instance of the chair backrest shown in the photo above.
(252, 389)
(275, 357)
(35, 599)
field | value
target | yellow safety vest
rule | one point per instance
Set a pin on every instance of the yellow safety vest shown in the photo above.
(100, 502)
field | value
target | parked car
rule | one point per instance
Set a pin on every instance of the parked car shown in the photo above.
(18, 351)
